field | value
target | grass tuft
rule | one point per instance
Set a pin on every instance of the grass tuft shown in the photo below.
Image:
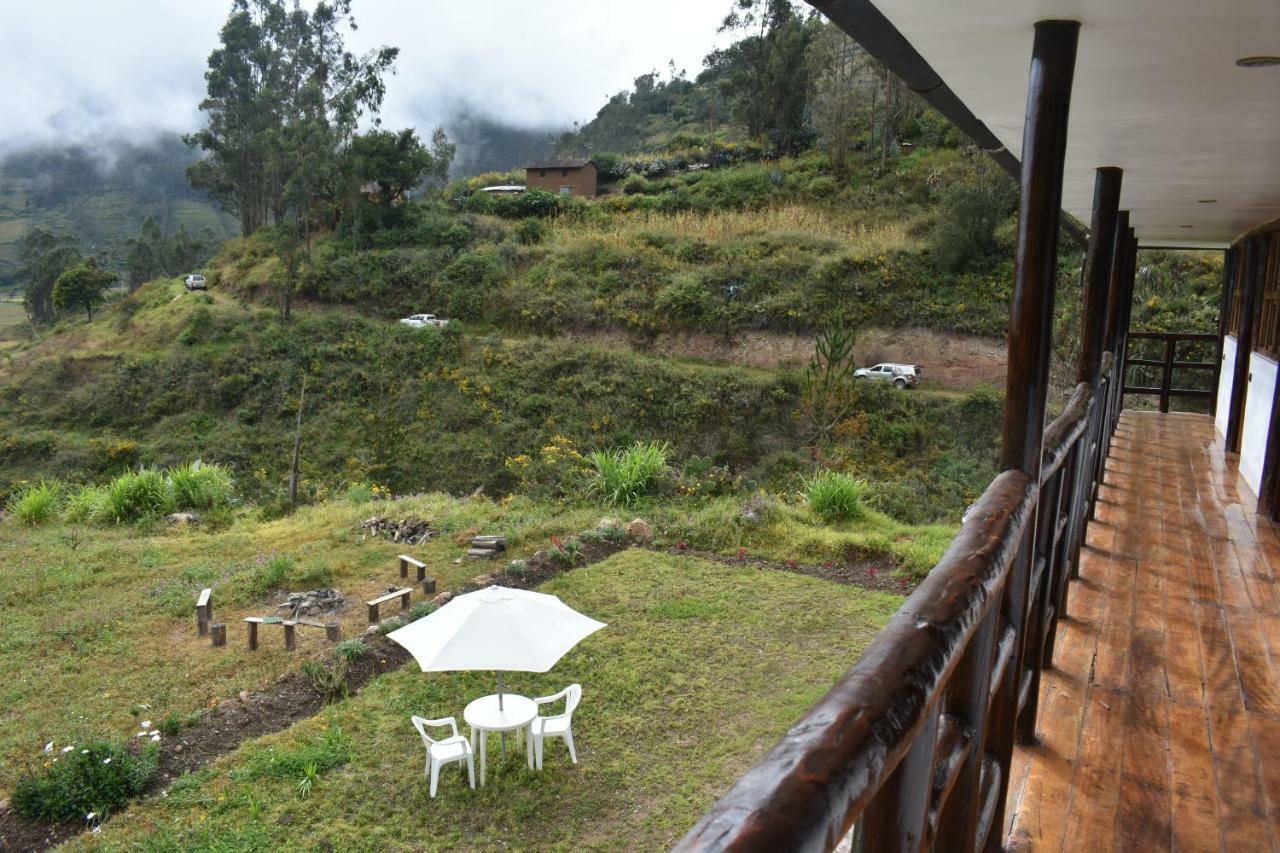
(625, 475)
(837, 497)
(37, 503)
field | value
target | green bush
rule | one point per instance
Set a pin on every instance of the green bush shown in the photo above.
(421, 609)
(136, 496)
(836, 497)
(93, 779)
(200, 486)
(350, 650)
(625, 475)
(530, 231)
(36, 503)
(84, 504)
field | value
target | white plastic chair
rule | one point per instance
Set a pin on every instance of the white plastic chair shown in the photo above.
(446, 751)
(559, 725)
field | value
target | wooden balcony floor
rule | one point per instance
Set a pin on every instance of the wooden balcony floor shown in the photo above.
(1159, 726)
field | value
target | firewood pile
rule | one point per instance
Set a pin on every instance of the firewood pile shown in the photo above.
(411, 530)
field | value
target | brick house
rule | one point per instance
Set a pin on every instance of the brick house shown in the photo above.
(564, 177)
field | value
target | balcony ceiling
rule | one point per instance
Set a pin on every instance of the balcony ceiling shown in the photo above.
(1157, 92)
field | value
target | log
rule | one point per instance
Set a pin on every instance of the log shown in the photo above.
(290, 636)
(218, 633)
(204, 611)
(333, 632)
(428, 586)
(253, 633)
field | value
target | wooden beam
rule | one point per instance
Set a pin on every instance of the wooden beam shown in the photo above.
(1097, 272)
(1044, 148)
(1244, 345)
(1229, 260)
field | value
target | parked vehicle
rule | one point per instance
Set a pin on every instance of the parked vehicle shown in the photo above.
(901, 375)
(422, 321)
(195, 281)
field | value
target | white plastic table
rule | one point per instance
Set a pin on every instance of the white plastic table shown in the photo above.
(483, 716)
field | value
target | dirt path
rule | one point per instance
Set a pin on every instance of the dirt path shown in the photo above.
(949, 360)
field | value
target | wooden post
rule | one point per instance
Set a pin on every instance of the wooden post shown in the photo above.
(204, 611)
(1126, 318)
(333, 632)
(1244, 345)
(404, 601)
(218, 633)
(373, 614)
(428, 586)
(1097, 273)
(1166, 373)
(253, 636)
(1229, 261)
(404, 567)
(1044, 144)
(290, 635)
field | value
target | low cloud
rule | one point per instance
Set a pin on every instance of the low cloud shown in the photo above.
(84, 71)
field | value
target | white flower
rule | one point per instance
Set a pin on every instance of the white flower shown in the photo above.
(90, 815)
(106, 761)
(146, 724)
(97, 829)
(143, 734)
(48, 747)
(155, 738)
(84, 752)
(67, 748)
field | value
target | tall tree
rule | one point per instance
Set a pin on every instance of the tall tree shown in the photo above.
(283, 98)
(765, 75)
(44, 256)
(82, 286)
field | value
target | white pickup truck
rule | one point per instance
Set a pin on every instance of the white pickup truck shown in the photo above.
(422, 321)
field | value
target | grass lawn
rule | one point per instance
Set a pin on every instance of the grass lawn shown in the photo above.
(702, 667)
(97, 621)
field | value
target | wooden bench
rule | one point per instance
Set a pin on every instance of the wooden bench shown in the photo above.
(403, 594)
(428, 584)
(204, 611)
(332, 630)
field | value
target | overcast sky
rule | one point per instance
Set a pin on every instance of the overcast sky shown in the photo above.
(80, 70)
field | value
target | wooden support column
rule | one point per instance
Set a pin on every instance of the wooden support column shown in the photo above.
(1097, 273)
(1244, 345)
(1044, 145)
(1129, 282)
(1229, 261)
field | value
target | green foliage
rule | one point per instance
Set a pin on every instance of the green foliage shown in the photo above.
(36, 503)
(350, 650)
(331, 749)
(568, 552)
(826, 395)
(268, 574)
(836, 497)
(329, 681)
(964, 235)
(91, 779)
(530, 231)
(421, 609)
(625, 475)
(201, 486)
(82, 286)
(138, 495)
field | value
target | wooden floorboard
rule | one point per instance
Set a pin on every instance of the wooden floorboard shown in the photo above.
(1159, 726)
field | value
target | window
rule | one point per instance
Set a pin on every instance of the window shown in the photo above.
(542, 173)
(566, 191)
(1267, 337)
(564, 173)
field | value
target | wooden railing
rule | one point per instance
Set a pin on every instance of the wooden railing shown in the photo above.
(1167, 364)
(911, 748)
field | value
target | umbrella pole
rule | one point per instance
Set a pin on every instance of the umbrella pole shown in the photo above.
(504, 734)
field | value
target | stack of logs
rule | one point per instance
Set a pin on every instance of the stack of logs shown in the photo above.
(411, 530)
(486, 547)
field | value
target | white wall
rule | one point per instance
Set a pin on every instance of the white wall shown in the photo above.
(1257, 419)
(1225, 375)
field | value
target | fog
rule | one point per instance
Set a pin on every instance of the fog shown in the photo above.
(90, 71)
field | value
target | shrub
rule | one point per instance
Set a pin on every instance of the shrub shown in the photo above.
(625, 475)
(93, 779)
(530, 231)
(518, 568)
(198, 486)
(835, 496)
(329, 681)
(36, 503)
(567, 553)
(535, 203)
(84, 504)
(135, 496)
(419, 610)
(350, 650)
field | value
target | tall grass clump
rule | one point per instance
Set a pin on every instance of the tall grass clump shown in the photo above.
(623, 476)
(36, 503)
(135, 496)
(84, 504)
(201, 486)
(837, 497)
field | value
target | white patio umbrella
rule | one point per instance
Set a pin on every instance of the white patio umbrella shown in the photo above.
(496, 628)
